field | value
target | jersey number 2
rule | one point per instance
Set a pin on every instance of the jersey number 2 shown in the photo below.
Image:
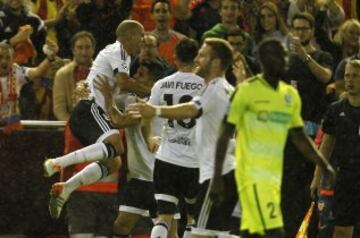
(185, 98)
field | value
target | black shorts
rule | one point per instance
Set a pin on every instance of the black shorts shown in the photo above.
(138, 198)
(91, 212)
(173, 183)
(89, 123)
(347, 197)
(217, 218)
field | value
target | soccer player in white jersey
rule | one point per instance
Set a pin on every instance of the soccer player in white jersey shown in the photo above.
(138, 194)
(213, 59)
(89, 123)
(176, 166)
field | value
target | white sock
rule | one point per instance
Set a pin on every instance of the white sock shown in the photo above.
(160, 230)
(90, 174)
(187, 232)
(94, 152)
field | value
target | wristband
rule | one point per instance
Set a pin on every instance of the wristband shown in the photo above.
(307, 59)
(157, 111)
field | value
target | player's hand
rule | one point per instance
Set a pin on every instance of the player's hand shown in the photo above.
(144, 108)
(154, 143)
(217, 190)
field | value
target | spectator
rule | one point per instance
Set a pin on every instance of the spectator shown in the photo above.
(67, 25)
(269, 23)
(250, 10)
(201, 15)
(328, 14)
(351, 8)
(101, 17)
(150, 52)
(48, 11)
(309, 71)
(23, 30)
(168, 38)
(141, 11)
(229, 12)
(13, 77)
(344, 43)
(244, 66)
(340, 71)
(83, 47)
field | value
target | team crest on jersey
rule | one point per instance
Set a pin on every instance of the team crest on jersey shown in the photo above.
(287, 99)
(124, 66)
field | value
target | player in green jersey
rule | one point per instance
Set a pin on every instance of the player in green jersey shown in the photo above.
(264, 109)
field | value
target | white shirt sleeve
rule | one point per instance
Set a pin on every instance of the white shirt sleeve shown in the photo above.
(206, 100)
(155, 94)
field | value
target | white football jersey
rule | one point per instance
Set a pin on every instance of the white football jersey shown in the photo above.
(178, 136)
(140, 160)
(111, 60)
(213, 104)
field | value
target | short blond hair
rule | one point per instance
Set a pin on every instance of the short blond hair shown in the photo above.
(354, 63)
(340, 34)
(128, 27)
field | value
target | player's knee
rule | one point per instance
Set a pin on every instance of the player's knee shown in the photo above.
(121, 226)
(114, 145)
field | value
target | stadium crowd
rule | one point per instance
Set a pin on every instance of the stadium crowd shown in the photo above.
(48, 48)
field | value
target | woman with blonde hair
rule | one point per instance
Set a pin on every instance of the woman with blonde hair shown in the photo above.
(345, 42)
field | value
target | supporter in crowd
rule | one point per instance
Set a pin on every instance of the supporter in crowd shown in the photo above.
(269, 24)
(48, 11)
(329, 13)
(244, 66)
(309, 71)
(201, 15)
(250, 10)
(340, 70)
(101, 17)
(168, 38)
(344, 43)
(141, 11)
(150, 52)
(67, 25)
(13, 77)
(83, 48)
(23, 30)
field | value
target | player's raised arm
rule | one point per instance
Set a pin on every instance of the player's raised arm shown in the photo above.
(118, 118)
(179, 111)
(126, 83)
